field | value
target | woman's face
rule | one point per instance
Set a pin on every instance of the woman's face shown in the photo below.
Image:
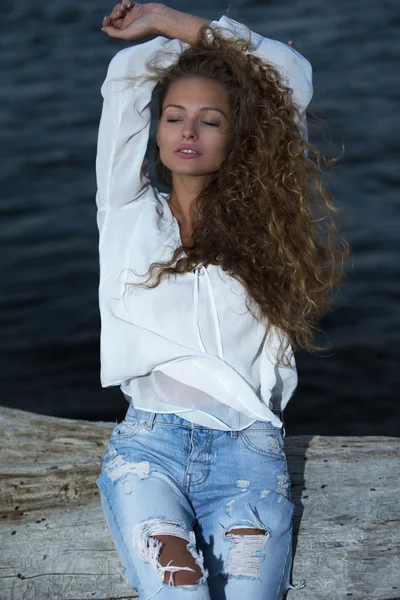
(196, 112)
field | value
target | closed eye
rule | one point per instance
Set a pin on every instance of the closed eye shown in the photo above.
(205, 122)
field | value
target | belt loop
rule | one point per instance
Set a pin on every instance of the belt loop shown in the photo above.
(234, 434)
(148, 423)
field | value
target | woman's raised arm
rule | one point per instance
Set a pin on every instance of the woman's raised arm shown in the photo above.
(123, 134)
(121, 171)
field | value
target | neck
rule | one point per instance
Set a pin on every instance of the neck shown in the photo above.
(184, 191)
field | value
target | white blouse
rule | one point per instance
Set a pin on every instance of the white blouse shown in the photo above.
(189, 346)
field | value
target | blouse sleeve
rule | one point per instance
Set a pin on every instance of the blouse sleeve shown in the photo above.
(295, 69)
(121, 171)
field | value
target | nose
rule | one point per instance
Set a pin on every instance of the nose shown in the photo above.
(189, 129)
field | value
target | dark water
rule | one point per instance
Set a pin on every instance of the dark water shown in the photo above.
(53, 60)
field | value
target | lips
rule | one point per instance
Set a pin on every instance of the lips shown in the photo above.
(188, 147)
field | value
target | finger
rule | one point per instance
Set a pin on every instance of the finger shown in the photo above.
(113, 32)
(109, 22)
(115, 19)
(118, 12)
(123, 8)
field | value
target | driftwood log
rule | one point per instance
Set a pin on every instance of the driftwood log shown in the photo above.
(55, 545)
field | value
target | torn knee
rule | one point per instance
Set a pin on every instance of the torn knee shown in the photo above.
(243, 557)
(247, 531)
(164, 544)
(174, 551)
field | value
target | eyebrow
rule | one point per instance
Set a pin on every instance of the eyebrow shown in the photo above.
(203, 108)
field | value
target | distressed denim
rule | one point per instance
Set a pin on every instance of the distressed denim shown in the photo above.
(162, 474)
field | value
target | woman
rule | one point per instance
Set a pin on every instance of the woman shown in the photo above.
(202, 291)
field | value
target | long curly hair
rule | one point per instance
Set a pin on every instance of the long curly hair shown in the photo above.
(265, 217)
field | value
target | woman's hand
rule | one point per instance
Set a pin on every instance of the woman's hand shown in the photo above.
(131, 21)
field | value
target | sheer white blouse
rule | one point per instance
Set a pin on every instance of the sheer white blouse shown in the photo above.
(188, 346)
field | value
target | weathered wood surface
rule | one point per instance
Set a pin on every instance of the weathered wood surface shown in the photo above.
(54, 543)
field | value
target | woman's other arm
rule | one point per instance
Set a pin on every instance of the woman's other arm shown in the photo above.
(179, 25)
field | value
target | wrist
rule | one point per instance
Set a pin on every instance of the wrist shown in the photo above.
(177, 25)
(158, 17)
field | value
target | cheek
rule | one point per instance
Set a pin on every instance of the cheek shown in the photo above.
(225, 147)
(220, 145)
(165, 143)
(163, 135)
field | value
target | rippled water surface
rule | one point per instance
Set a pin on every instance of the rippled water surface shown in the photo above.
(54, 58)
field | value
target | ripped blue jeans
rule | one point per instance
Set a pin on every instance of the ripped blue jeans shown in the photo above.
(162, 474)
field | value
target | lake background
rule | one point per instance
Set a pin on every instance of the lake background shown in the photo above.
(53, 60)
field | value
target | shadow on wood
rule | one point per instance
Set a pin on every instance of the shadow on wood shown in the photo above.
(55, 544)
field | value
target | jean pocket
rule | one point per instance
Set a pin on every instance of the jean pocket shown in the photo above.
(267, 442)
(126, 429)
